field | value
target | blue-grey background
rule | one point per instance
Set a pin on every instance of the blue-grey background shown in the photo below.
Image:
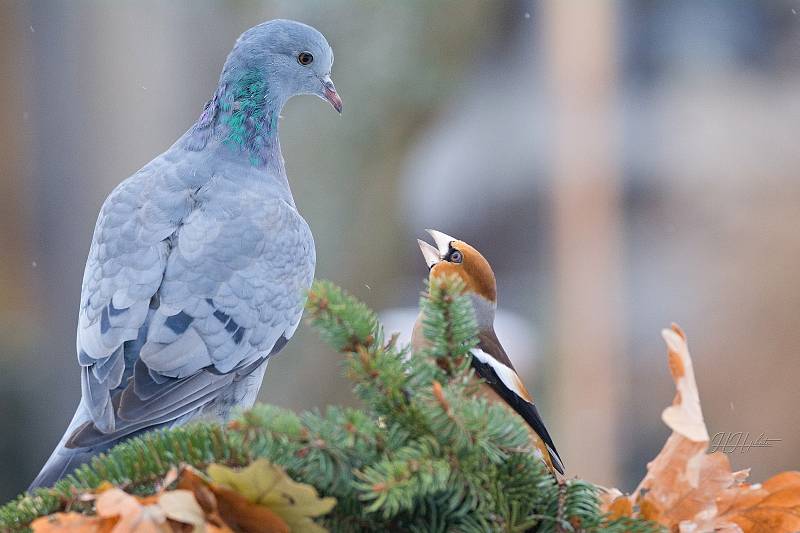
(621, 164)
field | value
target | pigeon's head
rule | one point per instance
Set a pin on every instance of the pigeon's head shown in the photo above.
(288, 57)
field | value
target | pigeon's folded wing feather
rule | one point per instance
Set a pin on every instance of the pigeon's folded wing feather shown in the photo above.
(233, 287)
(231, 292)
(123, 272)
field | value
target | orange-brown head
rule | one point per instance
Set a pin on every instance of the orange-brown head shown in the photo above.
(451, 256)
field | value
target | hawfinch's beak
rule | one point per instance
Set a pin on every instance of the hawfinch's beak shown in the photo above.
(430, 253)
(435, 254)
(330, 94)
(442, 241)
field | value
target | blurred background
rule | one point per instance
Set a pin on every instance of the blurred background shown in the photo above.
(621, 164)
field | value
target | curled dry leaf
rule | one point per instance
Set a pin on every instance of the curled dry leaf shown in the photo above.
(773, 506)
(189, 479)
(181, 506)
(134, 514)
(243, 515)
(72, 523)
(260, 498)
(616, 504)
(227, 509)
(119, 512)
(267, 485)
(684, 416)
(689, 490)
(169, 478)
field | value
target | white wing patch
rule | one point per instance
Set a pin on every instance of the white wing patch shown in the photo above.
(507, 375)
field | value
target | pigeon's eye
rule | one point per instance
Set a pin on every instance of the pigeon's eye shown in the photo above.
(456, 257)
(305, 58)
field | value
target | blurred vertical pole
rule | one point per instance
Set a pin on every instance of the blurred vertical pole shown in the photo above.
(579, 41)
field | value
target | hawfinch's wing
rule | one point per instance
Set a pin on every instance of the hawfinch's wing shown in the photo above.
(491, 363)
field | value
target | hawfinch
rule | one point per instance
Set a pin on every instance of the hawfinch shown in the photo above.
(489, 360)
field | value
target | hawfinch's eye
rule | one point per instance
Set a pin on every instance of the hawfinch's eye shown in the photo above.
(456, 257)
(305, 58)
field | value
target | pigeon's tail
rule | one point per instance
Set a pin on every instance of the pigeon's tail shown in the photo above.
(61, 463)
(64, 460)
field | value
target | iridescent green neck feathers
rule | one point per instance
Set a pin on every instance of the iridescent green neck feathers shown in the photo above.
(242, 115)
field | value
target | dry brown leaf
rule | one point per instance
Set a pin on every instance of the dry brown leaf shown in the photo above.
(243, 515)
(771, 506)
(268, 485)
(226, 508)
(684, 416)
(189, 479)
(168, 511)
(689, 490)
(619, 507)
(683, 481)
(181, 506)
(73, 523)
(134, 515)
(196, 505)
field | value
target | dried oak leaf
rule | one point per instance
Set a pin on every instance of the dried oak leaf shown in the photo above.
(772, 506)
(134, 514)
(683, 481)
(190, 480)
(73, 523)
(616, 504)
(689, 490)
(226, 508)
(119, 512)
(244, 515)
(267, 485)
(181, 506)
(684, 416)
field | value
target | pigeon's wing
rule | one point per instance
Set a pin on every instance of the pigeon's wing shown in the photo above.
(124, 270)
(233, 287)
(231, 294)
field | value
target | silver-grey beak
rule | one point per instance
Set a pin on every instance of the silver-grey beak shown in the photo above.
(329, 91)
(430, 253)
(442, 241)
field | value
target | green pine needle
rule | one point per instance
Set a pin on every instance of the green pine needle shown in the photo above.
(424, 453)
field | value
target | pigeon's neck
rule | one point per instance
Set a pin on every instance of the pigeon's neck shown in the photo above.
(242, 119)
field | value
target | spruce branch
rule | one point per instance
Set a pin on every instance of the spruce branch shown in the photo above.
(448, 324)
(424, 453)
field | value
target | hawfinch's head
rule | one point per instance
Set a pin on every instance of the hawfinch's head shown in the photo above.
(451, 256)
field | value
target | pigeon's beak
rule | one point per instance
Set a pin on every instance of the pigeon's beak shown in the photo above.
(330, 94)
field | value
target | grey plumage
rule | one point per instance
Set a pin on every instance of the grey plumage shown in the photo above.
(199, 261)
